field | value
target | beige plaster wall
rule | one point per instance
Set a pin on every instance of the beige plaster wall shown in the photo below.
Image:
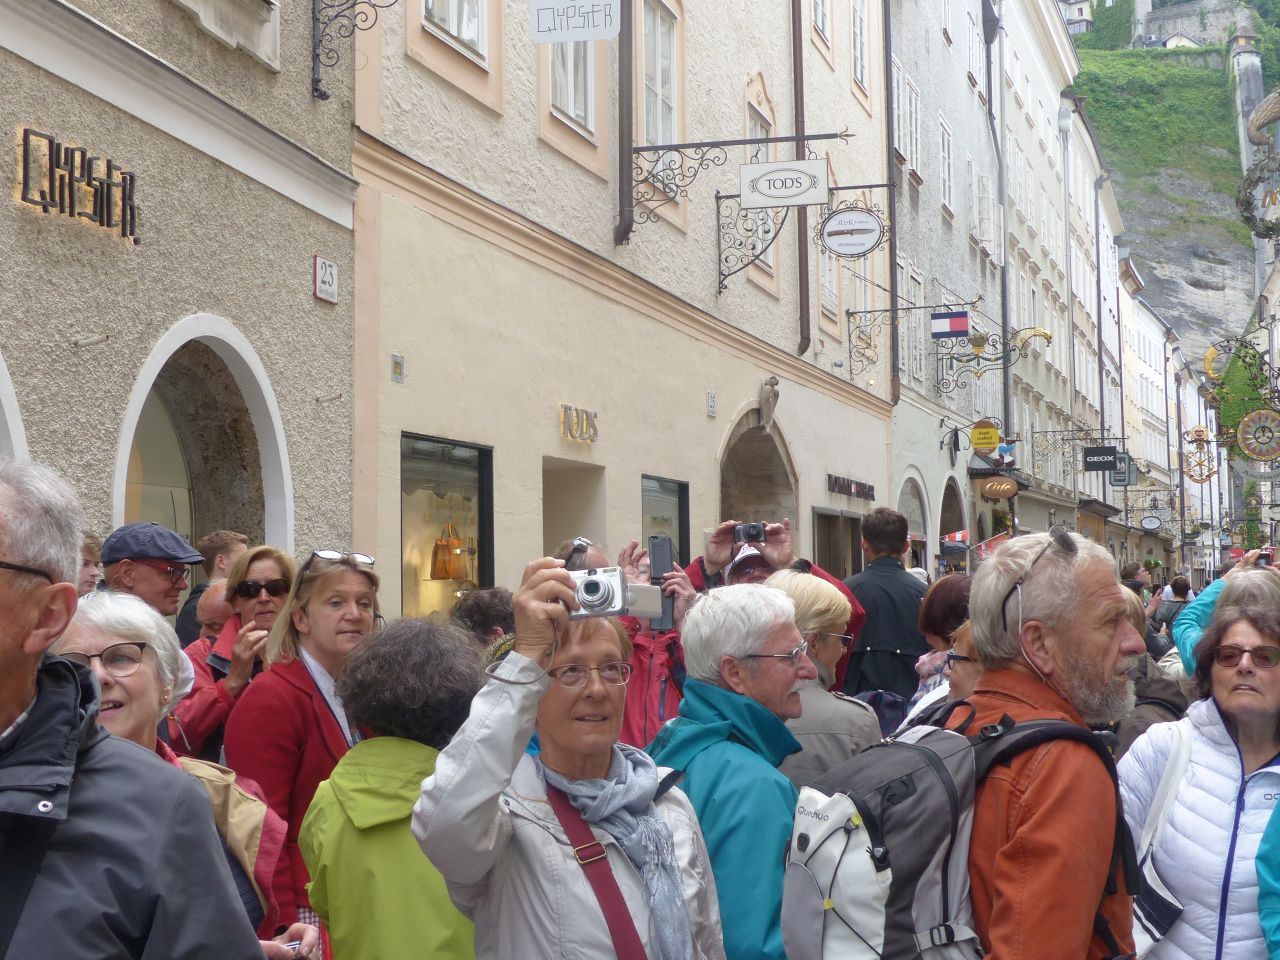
(493, 343)
(281, 101)
(213, 241)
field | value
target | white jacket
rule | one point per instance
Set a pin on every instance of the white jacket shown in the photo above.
(484, 821)
(1209, 841)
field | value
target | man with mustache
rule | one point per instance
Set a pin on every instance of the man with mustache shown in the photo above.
(746, 664)
(1051, 631)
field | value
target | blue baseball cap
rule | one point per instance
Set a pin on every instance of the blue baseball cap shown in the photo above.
(143, 541)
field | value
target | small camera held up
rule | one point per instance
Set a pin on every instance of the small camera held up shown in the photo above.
(748, 533)
(606, 593)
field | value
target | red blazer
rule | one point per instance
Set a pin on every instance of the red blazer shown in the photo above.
(283, 735)
(204, 711)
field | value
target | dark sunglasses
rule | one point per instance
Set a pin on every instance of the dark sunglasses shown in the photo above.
(249, 589)
(1059, 537)
(334, 555)
(1265, 656)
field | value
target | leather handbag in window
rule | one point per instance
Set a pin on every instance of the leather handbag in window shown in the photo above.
(447, 559)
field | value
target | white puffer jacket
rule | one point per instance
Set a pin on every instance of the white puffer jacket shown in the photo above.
(484, 821)
(1209, 842)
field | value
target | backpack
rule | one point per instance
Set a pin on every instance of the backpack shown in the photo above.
(878, 865)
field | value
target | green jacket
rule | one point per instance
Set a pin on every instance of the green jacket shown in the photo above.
(729, 748)
(379, 896)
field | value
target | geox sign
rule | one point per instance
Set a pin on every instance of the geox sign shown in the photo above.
(1100, 458)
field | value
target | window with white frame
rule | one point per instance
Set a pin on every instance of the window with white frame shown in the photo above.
(917, 299)
(758, 128)
(913, 125)
(660, 73)
(858, 33)
(946, 19)
(828, 273)
(822, 18)
(571, 87)
(947, 163)
(906, 117)
(461, 21)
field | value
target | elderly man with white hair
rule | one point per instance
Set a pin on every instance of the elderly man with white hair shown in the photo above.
(1051, 633)
(746, 664)
(101, 844)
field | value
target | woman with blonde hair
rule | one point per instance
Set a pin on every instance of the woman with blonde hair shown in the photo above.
(832, 727)
(290, 729)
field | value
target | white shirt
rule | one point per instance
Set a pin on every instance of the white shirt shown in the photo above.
(1168, 594)
(329, 690)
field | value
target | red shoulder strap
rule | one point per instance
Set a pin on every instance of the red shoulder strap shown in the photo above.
(591, 856)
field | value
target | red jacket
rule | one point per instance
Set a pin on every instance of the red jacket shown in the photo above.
(283, 735)
(697, 576)
(657, 678)
(204, 711)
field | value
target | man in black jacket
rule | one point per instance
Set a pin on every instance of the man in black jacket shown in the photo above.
(105, 850)
(891, 641)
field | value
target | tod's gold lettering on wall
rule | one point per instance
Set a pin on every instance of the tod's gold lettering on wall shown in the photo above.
(59, 178)
(578, 424)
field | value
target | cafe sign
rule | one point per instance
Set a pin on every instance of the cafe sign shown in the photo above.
(1000, 488)
(783, 183)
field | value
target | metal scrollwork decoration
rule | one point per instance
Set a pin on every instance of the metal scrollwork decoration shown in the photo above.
(744, 236)
(865, 327)
(660, 175)
(334, 20)
(980, 353)
(1200, 461)
(1266, 169)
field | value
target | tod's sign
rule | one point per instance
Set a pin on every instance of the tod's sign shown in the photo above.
(786, 183)
(578, 424)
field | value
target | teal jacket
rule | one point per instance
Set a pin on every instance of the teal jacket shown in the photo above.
(379, 896)
(1191, 622)
(729, 748)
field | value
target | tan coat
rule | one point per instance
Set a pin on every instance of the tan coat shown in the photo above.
(832, 729)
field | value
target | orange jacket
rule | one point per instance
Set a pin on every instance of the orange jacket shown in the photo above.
(1043, 831)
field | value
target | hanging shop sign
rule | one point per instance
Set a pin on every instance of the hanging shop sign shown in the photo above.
(1000, 488)
(783, 183)
(1126, 472)
(1258, 434)
(59, 178)
(578, 424)
(1098, 459)
(1150, 522)
(850, 488)
(555, 21)
(852, 232)
(984, 437)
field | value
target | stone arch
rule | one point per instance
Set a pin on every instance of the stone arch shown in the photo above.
(216, 390)
(757, 475)
(913, 504)
(13, 435)
(951, 519)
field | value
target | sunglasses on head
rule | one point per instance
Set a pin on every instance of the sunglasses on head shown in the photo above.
(334, 555)
(249, 589)
(1058, 537)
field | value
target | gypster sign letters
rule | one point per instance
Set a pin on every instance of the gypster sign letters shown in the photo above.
(785, 183)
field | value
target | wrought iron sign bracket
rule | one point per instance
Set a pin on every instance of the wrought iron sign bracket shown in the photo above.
(743, 236)
(333, 20)
(981, 353)
(1049, 444)
(664, 173)
(865, 326)
(953, 432)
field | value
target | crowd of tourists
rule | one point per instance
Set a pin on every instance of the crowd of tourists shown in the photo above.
(1051, 758)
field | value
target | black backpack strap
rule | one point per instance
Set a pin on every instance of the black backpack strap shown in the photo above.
(940, 713)
(24, 848)
(666, 783)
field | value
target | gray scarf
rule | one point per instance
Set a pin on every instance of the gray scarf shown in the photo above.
(622, 806)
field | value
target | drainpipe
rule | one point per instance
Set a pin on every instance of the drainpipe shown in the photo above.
(891, 175)
(1124, 429)
(802, 151)
(626, 125)
(1097, 273)
(1064, 130)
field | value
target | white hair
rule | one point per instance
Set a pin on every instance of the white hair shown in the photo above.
(125, 616)
(1048, 593)
(731, 621)
(40, 520)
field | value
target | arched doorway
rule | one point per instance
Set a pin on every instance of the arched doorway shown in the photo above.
(953, 553)
(911, 505)
(757, 480)
(202, 444)
(13, 436)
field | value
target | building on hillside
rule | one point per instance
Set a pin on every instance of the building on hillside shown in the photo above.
(1077, 14)
(1180, 41)
(558, 336)
(947, 263)
(170, 340)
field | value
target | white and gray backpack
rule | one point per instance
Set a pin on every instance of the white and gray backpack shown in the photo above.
(878, 865)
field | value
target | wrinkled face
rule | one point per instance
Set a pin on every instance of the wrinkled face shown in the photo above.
(213, 611)
(338, 616)
(263, 607)
(131, 705)
(156, 587)
(585, 720)
(772, 682)
(1095, 651)
(1246, 691)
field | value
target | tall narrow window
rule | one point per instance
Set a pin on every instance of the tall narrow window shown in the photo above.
(659, 73)
(858, 26)
(571, 82)
(828, 273)
(758, 128)
(822, 18)
(461, 20)
(945, 160)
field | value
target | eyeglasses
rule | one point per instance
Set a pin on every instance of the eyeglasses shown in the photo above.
(174, 571)
(120, 659)
(952, 658)
(794, 655)
(1264, 657)
(572, 675)
(249, 589)
(334, 555)
(19, 568)
(844, 638)
(1058, 536)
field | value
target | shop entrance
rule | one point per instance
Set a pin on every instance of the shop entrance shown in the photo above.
(837, 542)
(911, 506)
(757, 481)
(573, 503)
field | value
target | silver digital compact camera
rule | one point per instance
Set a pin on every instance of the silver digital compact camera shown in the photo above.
(605, 593)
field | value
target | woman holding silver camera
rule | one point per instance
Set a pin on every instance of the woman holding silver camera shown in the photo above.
(586, 850)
